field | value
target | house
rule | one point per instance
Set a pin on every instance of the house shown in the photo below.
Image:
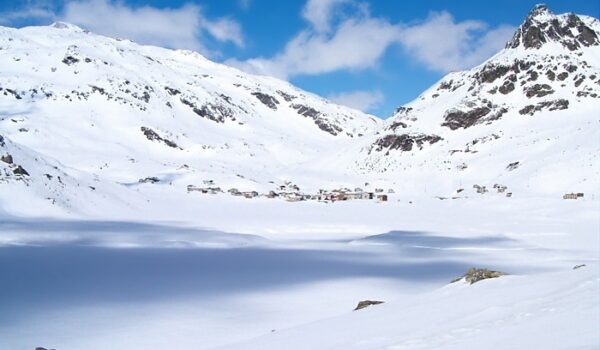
(579, 195)
(293, 197)
(272, 194)
(367, 195)
(250, 194)
(234, 192)
(480, 189)
(382, 197)
(570, 196)
(508, 194)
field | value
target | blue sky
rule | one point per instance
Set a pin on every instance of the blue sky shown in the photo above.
(373, 55)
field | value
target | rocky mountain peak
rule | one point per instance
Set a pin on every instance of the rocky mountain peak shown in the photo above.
(541, 26)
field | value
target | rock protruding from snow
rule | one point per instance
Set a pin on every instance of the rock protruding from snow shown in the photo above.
(366, 303)
(542, 26)
(475, 275)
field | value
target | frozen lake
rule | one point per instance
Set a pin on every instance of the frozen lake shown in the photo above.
(70, 284)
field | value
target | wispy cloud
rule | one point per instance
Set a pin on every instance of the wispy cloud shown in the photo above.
(362, 100)
(344, 35)
(442, 44)
(356, 42)
(182, 27)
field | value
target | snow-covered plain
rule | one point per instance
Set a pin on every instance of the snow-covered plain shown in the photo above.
(92, 258)
(294, 280)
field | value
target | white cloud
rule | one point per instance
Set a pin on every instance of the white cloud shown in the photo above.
(335, 40)
(360, 99)
(443, 44)
(319, 12)
(182, 27)
(357, 43)
(37, 10)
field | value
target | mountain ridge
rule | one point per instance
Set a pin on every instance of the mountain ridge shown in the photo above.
(96, 115)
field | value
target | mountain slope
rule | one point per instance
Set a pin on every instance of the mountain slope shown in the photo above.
(526, 118)
(122, 123)
(119, 112)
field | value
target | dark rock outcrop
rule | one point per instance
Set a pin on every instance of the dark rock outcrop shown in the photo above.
(212, 111)
(507, 87)
(7, 159)
(150, 179)
(542, 26)
(153, 136)
(455, 118)
(322, 123)
(555, 105)
(266, 99)
(69, 60)
(404, 142)
(366, 303)
(538, 90)
(475, 275)
(20, 171)
(513, 166)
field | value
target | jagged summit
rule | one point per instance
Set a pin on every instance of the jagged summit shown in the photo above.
(539, 11)
(542, 26)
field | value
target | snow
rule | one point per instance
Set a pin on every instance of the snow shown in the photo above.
(130, 285)
(92, 258)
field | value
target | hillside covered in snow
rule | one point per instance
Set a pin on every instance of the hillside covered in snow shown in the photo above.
(85, 118)
(527, 118)
(153, 199)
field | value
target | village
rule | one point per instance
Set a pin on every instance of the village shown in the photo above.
(292, 193)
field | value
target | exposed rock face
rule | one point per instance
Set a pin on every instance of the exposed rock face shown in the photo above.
(7, 159)
(404, 142)
(538, 90)
(153, 136)
(475, 275)
(540, 27)
(555, 105)
(513, 166)
(477, 113)
(366, 303)
(69, 60)
(397, 124)
(152, 180)
(322, 123)
(507, 87)
(20, 171)
(455, 118)
(212, 111)
(267, 100)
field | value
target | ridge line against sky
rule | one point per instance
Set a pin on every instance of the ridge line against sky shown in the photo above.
(370, 55)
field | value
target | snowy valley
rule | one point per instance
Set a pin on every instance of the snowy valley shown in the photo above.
(152, 198)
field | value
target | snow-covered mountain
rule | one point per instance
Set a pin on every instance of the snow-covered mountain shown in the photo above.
(84, 118)
(83, 111)
(527, 118)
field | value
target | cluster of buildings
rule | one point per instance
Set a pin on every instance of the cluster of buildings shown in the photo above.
(572, 195)
(499, 189)
(291, 193)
